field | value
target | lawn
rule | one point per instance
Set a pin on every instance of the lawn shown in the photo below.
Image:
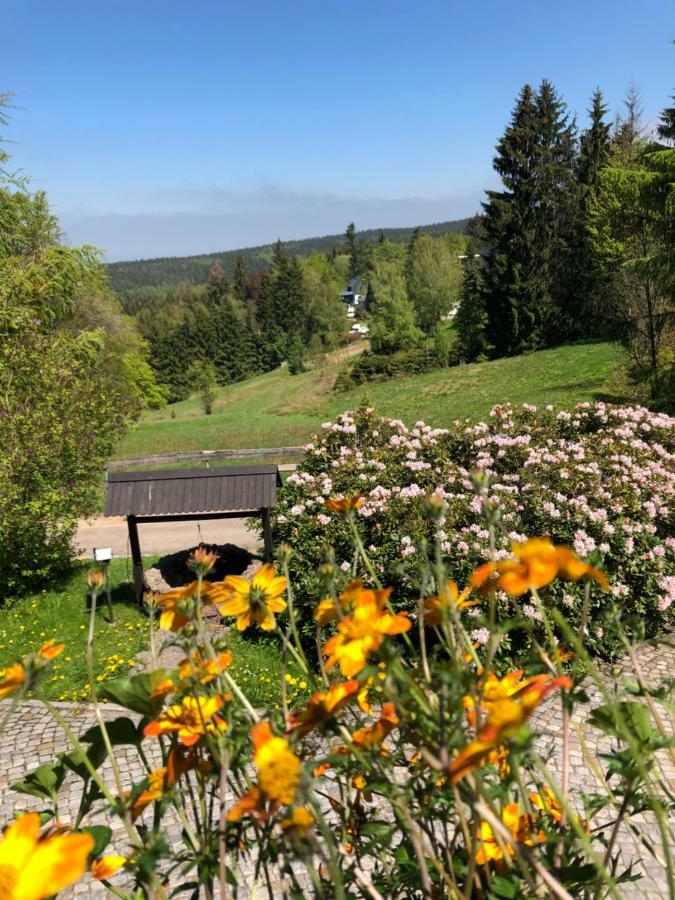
(278, 409)
(62, 613)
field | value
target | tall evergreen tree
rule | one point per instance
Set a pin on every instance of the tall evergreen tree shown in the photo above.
(629, 128)
(241, 280)
(358, 253)
(585, 282)
(471, 318)
(666, 126)
(528, 224)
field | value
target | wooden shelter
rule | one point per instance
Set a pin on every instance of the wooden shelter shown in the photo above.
(189, 494)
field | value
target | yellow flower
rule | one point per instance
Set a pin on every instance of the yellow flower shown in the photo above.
(299, 823)
(374, 735)
(322, 706)
(105, 866)
(278, 767)
(535, 564)
(363, 631)
(32, 868)
(11, 679)
(161, 780)
(344, 505)
(518, 826)
(326, 611)
(255, 601)
(505, 715)
(493, 689)
(278, 775)
(163, 689)
(205, 670)
(545, 800)
(191, 719)
(177, 607)
(157, 785)
(450, 596)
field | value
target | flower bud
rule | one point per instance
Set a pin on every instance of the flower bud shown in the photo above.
(203, 561)
(95, 579)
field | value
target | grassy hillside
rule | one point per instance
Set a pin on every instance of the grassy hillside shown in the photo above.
(278, 409)
(141, 273)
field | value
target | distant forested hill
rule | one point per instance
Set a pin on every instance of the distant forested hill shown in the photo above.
(142, 273)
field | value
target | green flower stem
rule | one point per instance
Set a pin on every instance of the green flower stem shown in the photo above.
(97, 711)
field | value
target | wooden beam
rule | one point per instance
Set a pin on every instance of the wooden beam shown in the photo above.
(134, 543)
(195, 517)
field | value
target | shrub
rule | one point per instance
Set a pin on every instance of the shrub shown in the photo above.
(380, 366)
(600, 478)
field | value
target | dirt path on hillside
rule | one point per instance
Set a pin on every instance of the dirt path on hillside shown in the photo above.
(162, 537)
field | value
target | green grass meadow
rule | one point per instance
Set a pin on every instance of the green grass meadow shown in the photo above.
(280, 410)
(62, 613)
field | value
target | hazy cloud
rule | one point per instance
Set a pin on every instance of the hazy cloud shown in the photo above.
(191, 220)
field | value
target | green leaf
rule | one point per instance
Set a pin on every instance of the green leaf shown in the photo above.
(133, 692)
(634, 717)
(102, 836)
(96, 755)
(504, 887)
(45, 781)
(377, 829)
(121, 731)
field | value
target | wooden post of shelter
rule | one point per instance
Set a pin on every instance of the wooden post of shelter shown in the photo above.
(137, 559)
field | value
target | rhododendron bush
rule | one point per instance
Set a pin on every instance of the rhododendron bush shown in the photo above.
(600, 479)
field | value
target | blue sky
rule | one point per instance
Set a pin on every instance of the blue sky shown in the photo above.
(167, 127)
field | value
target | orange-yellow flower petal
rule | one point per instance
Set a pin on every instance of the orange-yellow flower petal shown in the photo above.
(50, 649)
(32, 868)
(323, 705)
(12, 679)
(106, 866)
(191, 719)
(278, 767)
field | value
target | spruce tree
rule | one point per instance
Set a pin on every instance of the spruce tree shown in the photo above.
(471, 318)
(528, 224)
(241, 280)
(359, 257)
(585, 281)
(666, 126)
(508, 225)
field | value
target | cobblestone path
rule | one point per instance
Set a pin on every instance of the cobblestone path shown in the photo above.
(32, 737)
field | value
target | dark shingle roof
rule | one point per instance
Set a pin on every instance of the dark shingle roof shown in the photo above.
(189, 491)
